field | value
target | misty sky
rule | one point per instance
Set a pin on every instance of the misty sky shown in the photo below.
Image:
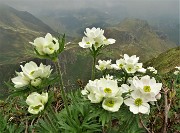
(158, 7)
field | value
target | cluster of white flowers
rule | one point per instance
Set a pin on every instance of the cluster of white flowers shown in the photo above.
(95, 37)
(104, 90)
(31, 74)
(36, 102)
(47, 45)
(130, 64)
(152, 69)
(103, 65)
(177, 71)
(140, 92)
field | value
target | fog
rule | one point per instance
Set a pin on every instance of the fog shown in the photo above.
(139, 8)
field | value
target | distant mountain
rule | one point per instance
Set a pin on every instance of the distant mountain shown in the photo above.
(166, 61)
(73, 22)
(17, 28)
(135, 36)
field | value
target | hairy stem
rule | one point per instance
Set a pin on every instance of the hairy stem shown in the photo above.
(166, 109)
(58, 68)
(93, 68)
(142, 123)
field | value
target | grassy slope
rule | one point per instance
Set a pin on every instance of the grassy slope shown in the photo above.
(166, 61)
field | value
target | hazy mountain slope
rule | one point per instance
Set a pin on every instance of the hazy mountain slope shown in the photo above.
(166, 61)
(136, 36)
(17, 28)
(73, 22)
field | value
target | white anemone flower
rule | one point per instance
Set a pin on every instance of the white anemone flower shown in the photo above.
(131, 59)
(126, 88)
(20, 80)
(36, 82)
(148, 87)
(109, 41)
(47, 45)
(94, 32)
(36, 102)
(112, 104)
(130, 68)
(45, 71)
(178, 68)
(31, 74)
(142, 70)
(109, 88)
(119, 64)
(92, 91)
(152, 69)
(30, 69)
(86, 42)
(137, 103)
(103, 65)
(176, 72)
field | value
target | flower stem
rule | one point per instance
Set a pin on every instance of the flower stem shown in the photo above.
(58, 68)
(165, 111)
(93, 68)
(142, 123)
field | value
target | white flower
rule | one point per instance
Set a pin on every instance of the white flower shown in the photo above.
(95, 38)
(176, 72)
(109, 41)
(20, 80)
(158, 96)
(119, 64)
(126, 88)
(152, 69)
(47, 45)
(112, 104)
(36, 82)
(137, 103)
(36, 102)
(103, 88)
(31, 74)
(94, 33)
(131, 60)
(45, 71)
(142, 70)
(108, 77)
(86, 42)
(103, 65)
(148, 87)
(109, 88)
(30, 69)
(130, 68)
(178, 68)
(91, 89)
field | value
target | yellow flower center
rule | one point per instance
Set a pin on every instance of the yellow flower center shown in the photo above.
(31, 73)
(87, 42)
(129, 69)
(147, 89)
(120, 65)
(107, 90)
(138, 102)
(96, 43)
(109, 103)
(37, 107)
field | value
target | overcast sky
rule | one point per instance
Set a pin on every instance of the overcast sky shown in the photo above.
(140, 7)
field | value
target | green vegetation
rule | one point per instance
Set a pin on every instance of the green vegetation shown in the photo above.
(166, 61)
